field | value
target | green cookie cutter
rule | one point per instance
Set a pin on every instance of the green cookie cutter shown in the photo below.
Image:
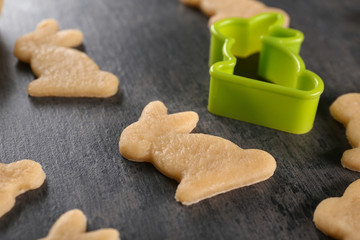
(289, 97)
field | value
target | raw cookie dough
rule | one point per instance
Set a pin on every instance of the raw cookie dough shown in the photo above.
(62, 71)
(72, 226)
(204, 165)
(340, 217)
(346, 110)
(17, 178)
(220, 9)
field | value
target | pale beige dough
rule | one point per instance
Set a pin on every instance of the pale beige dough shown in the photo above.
(1, 4)
(220, 9)
(204, 165)
(346, 110)
(62, 71)
(351, 159)
(17, 178)
(68, 72)
(72, 226)
(340, 217)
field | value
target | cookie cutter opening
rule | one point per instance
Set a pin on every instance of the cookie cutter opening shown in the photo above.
(289, 97)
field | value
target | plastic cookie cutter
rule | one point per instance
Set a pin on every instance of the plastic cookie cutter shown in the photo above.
(284, 96)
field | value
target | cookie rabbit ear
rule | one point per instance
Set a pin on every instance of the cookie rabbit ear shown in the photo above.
(345, 107)
(69, 38)
(26, 44)
(32, 175)
(50, 25)
(183, 122)
(154, 110)
(72, 222)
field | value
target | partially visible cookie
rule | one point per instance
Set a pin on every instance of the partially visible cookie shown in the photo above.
(351, 159)
(346, 110)
(220, 9)
(1, 3)
(17, 178)
(72, 226)
(340, 217)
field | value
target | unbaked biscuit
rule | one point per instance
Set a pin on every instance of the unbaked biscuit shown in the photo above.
(340, 217)
(204, 165)
(346, 110)
(17, 178)
(72, 226)
(66, 72)
(220, 9)
(62, 71)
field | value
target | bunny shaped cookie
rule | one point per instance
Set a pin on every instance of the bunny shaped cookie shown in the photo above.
(62, 71)
(346, 110)
(17, 178)
(220, 9)
(204, 165)
(72, 226)
(339, 217)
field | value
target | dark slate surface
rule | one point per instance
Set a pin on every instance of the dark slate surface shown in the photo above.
(159, 50)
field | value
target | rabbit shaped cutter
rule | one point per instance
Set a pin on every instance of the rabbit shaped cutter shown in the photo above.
(204, 165)
(62, 71)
